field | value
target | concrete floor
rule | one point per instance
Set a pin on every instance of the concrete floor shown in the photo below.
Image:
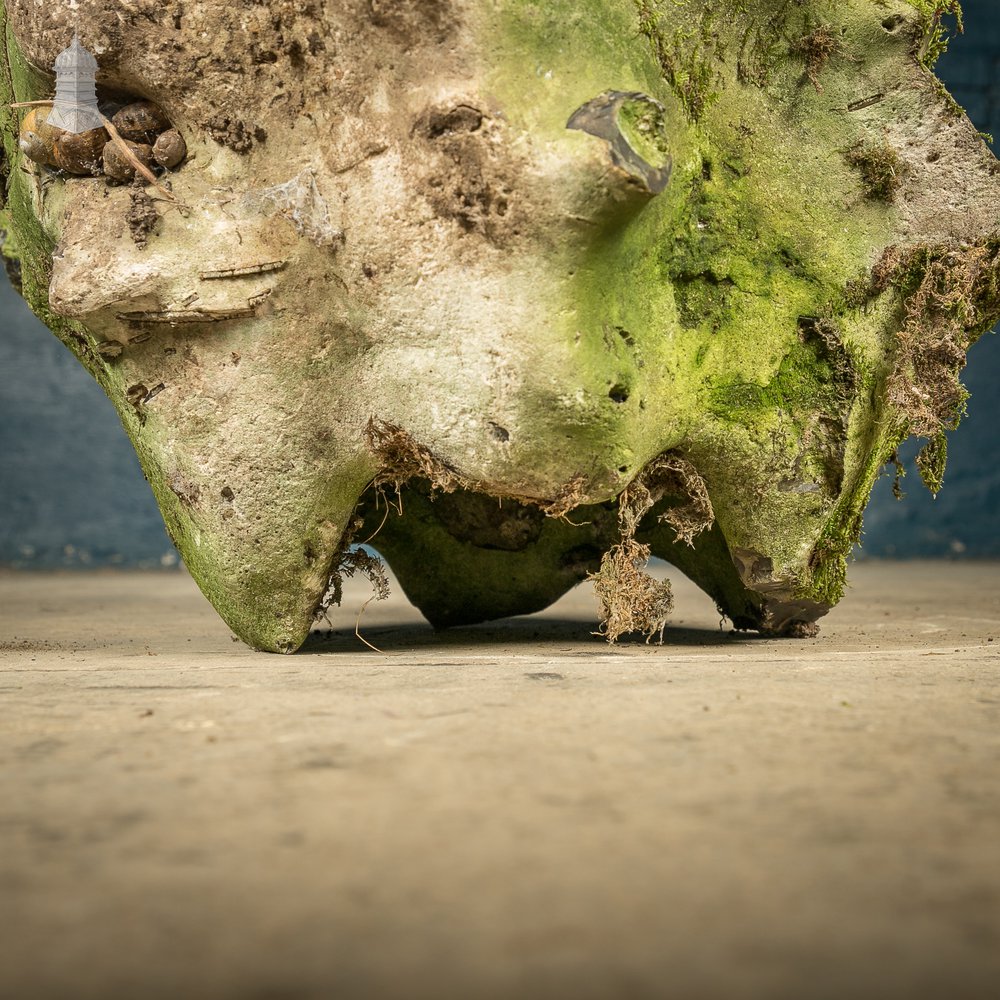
(507, 811)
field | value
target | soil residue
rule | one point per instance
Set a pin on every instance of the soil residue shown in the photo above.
(141, 216)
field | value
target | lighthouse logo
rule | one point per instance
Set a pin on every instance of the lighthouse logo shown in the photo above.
(75, 108)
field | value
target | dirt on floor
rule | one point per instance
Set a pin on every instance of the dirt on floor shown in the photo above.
(515, 809)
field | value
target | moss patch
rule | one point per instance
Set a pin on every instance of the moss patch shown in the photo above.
(816, 48)
(644, 127)
(931, 463)
(951, 295)
(630, 599)
(934, 31)
(689, 56)
(880, 167)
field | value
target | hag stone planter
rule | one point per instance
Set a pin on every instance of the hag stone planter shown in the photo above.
(543, 285)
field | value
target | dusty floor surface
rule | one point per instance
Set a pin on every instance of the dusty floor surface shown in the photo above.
(508, 811)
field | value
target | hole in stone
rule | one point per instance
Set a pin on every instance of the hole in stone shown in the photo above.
(891, 24)
(499, 433)
(634, 125)
(618, 394)
(461, 118)
(933, 156)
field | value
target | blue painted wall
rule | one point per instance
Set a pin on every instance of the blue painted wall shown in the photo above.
(72, 493)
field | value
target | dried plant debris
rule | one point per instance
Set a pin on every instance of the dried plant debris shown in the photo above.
(403, 459)
(951, 295)
(630, 599)
(880, 167)
(817, 48)
(569, 497)
(673, 476)
(348, 563)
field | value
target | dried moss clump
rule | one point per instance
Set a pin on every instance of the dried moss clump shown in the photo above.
(817, 48)
(881, 169)
(630, 599)
(403, 459)
(348, 563)
(673, 476)
(952, 294)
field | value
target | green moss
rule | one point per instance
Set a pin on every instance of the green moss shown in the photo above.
(932, 461)
(643, 125)
(742, 245)
(809, 380)
(763, 46)
(934, 31)
(827, 571)
(688, 55)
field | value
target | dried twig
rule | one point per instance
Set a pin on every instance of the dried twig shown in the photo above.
(357, 624)
(241, 272)
(179, 316)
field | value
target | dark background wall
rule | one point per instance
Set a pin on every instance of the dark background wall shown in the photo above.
(72, 493)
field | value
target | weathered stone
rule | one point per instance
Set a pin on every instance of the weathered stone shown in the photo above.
(419, 270)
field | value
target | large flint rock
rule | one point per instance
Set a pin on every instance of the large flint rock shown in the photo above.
(721, 255)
